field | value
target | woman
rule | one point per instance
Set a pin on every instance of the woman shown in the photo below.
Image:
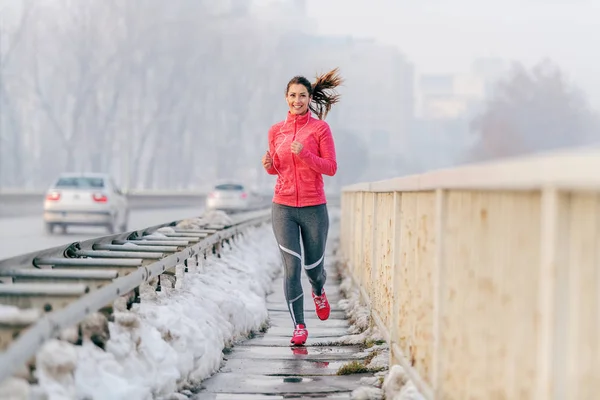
(301, 150)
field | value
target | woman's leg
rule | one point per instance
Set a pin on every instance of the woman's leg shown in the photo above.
(314, 227)
(287, 234)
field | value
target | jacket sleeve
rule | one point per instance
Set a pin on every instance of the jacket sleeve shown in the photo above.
(272, 170)
(325, 164)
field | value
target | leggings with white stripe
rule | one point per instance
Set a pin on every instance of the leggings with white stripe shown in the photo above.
(290, 224)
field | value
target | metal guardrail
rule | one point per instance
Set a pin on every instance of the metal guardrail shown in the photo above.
(62, 285)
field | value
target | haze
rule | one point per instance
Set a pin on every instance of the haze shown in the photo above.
(180, 95)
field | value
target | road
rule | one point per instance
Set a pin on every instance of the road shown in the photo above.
(20, 235)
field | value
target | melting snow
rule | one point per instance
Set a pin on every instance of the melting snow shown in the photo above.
(396, 384)
(174, 338)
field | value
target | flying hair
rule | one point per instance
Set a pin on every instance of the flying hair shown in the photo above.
(322, 91)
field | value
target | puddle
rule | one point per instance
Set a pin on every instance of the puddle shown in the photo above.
(295, 350)
(228, 396)
(297, 367)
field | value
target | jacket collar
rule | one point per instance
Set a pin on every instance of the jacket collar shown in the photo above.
(299, 119)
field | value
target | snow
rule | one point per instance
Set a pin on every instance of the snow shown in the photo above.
(362, 328)
(210, 217)
(163, 347)
(15, 316)
(367, 393)
(174, 338)
(14, 389)
(396, 384)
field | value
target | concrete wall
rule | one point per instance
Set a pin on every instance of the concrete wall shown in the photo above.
(486, 278)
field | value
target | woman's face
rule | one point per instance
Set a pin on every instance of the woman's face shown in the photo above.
(298, 99)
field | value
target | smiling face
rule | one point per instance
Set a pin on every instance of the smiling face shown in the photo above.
(298, 99)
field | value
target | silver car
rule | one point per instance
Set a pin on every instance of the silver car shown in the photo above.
(85, 200)
(228, 197)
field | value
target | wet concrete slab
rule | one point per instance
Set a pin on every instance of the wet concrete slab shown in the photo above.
(267, 367)
(284, 341)
(309, 313)
(280, 304)
(282, 385)
(299, 366)
(333, 292)
(316, 353)
(314, 331)
(309, 320)
(280, 297)
(239, 396)
(308, 308)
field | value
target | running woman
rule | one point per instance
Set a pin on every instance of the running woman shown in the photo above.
(301, 150)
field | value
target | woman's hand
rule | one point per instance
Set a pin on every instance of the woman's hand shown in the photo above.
(297, 147)
(267, 161)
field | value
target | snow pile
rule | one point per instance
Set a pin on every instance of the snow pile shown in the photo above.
(17, 316)
(367, 393)
(398, 386)
(390, 385)
(15, 389)
(362, 328)
(210, 217)
(174, 338)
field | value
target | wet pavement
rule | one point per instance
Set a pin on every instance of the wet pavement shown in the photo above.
(266, 367)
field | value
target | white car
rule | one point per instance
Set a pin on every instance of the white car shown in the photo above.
(228, 197)
(85, 200)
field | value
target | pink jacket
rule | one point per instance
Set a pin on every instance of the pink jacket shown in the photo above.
(300, 180)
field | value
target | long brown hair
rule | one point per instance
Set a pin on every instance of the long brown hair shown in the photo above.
(322, 91)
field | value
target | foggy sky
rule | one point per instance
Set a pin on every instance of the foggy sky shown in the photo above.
(446, 36)
(114, 87)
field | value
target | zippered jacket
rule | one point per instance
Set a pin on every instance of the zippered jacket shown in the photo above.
(300, 176)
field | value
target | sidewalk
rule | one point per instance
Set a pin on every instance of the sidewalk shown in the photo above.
(266, 367)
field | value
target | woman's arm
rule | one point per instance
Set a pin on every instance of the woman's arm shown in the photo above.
(271, 170)
(325, 164)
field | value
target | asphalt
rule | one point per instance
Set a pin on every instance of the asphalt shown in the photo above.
(267, 367)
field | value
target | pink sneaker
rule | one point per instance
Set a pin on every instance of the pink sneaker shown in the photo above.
(300, 335)
(322, 306)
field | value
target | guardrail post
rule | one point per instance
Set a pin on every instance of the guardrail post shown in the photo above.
(438, 287)
(158, 287)
(373, 255)
(396, 276)
(552, 301)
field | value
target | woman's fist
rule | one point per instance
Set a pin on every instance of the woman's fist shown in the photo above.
(267, 161)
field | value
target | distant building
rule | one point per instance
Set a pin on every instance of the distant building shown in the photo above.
(446, 105)
(451, 96)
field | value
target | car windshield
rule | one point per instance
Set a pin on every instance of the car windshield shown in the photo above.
(229, 186)
(80, 182)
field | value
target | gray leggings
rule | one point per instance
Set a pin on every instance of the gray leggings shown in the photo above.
(289, 225)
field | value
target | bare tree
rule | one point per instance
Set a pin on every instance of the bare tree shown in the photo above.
(170, 95)
(533, 111)
(13, 28)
